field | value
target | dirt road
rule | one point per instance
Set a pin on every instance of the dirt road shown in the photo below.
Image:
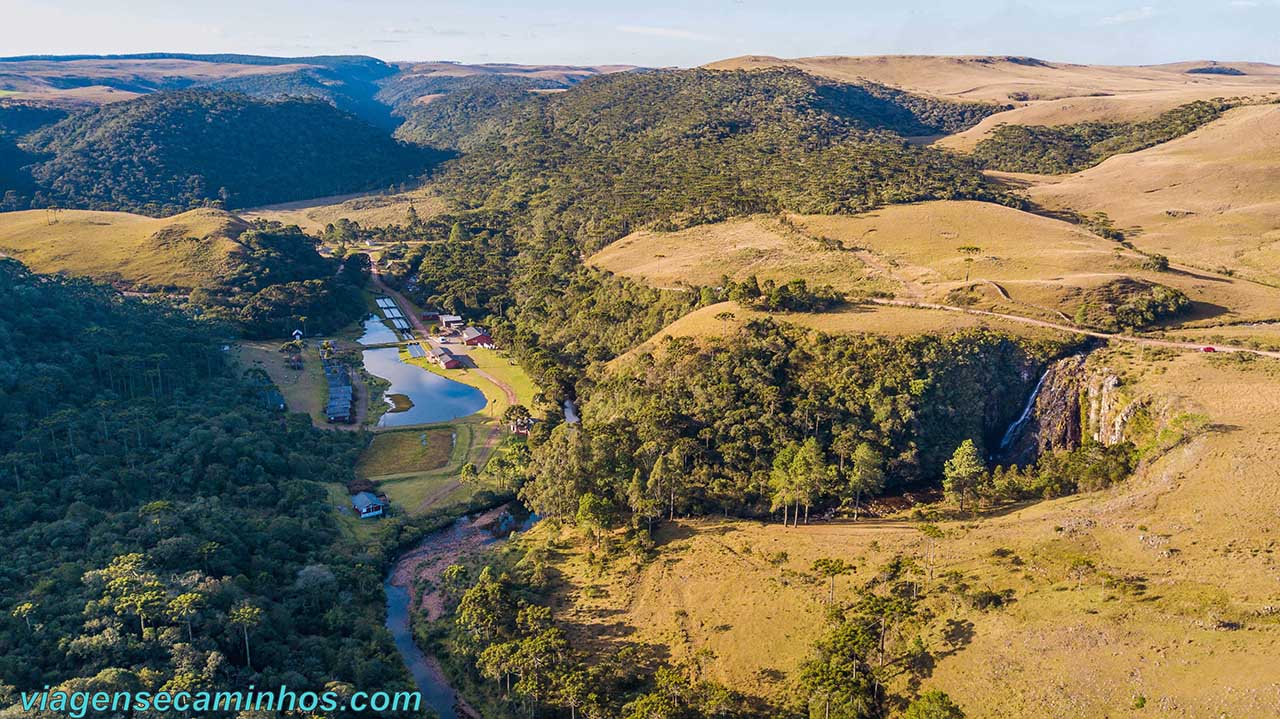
(1148, 341)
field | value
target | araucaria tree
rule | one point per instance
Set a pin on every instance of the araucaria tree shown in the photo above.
(963, 474)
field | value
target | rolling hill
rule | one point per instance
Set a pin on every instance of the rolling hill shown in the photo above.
(1211, 198)
(179, 252)
(1043, 92)
(971, 254)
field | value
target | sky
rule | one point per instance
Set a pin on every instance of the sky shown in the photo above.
(655, 33)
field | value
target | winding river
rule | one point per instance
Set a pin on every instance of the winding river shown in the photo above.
(434, 398)
(427, 561)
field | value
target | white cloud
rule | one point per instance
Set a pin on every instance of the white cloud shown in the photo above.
(668, 32)
(1143, 13)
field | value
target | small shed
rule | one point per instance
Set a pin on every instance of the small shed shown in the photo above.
(368, 504)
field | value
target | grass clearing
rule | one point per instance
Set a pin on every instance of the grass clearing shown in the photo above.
(406, 451)
(370, 210)
(762, 246)
(1210, 199)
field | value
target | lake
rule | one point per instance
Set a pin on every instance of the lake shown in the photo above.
(376, 333)
(435, 398)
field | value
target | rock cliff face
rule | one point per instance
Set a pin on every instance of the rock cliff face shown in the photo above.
(1074, 399)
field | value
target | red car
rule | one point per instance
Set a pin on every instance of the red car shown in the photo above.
(1208, 349)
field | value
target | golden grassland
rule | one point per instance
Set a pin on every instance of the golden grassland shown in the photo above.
(180, 252)
(995, 258)
(724, 318)
(760, 245)
(1001, 79)
(1210, 198)
(369, 210)
(1194, 528)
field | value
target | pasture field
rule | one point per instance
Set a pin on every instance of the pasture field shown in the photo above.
(761, 246)
(369, 210)
(982, 255)
(413, 450)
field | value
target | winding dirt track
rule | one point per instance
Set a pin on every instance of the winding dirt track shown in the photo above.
(1148, 341)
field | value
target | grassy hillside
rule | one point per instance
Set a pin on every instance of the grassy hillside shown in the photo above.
(1019, 79)
(168, 152)
(180, 252)
(262, 277)
(1209, 198)
(970, 254)
(1070, 148)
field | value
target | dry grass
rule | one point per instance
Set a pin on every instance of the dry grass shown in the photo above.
(181, 251)
(760, 245)
(1001, 79)
(725, 318)
(1196, 525)
(1002, 259)
(370, 210)
(1210, 198)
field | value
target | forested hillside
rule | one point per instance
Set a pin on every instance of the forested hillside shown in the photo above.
(169, 152)
(161, 527)
(683, 147)
(1070, 148)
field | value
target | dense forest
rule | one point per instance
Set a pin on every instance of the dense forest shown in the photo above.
(773, 416)
(276, 282)
(171, 151)
(1070, 148)
(676, 148)
(163, 528)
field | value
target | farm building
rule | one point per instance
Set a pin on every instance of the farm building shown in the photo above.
(340, 406)
(445, 358)
(367, 504)
(451, 321)
(473, 337)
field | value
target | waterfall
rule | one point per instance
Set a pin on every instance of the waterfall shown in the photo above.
(1012, 433)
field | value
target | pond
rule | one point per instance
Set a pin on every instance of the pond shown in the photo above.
(376, 333)
(434, 398)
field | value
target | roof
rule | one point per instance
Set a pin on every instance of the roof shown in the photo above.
(471, 333)
(365, 500)
(439, 352)
(450, 318)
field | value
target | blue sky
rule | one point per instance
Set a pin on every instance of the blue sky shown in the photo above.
(655, 33)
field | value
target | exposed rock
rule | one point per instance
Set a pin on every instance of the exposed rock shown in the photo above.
(1074, 399)
(1053, 421)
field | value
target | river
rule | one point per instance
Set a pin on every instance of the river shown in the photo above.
(434, 398)
(428, 560)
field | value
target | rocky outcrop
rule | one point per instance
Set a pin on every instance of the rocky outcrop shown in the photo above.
(1075, 399)
(1108, 409)
(1051, 419)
